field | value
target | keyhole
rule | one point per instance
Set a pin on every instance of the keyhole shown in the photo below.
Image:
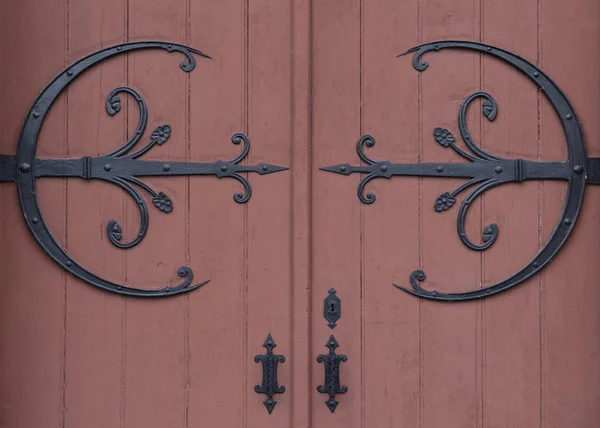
(332, 308)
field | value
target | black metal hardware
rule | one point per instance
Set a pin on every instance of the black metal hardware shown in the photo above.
(269, 385)
(332, 308)
(332, 374)
(487, 170)
(119, 167)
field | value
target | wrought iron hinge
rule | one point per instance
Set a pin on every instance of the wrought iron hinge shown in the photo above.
(485, 170)
(332, 374)
(269, 385)
(121, 167)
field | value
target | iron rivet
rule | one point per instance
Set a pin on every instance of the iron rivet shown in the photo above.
(536, 264)
(489, 49)
(343, 168)
(383, 168)
(224, 168)
(35, 115)
(69, 73)
(119, 48)
(536, 74)
(69, 263)
(440, 169)
(107, 167)
(498, 169)
(24, 168)
(578, 169)
(488, 291)
(169, 46)
(436, 46)
(264, 167)
(166, 167)
(35, 220)
(569, 116)
(567, 221)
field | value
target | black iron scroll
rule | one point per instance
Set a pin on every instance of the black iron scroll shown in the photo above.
(485, 170)
(121, 167)
(269, 361)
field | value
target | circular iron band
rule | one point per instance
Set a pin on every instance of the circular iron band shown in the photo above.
(26, 150)
(576, 182)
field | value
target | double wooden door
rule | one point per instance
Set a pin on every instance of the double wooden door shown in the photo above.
(304, 80)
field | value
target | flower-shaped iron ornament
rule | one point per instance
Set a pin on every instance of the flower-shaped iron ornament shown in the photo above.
(485, 170)
(121, 167)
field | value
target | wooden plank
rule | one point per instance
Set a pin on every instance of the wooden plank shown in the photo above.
(94, 318)
(511, 335)
(156, 330)
(391, 318)
(216, 230)
(570, 296)
(336, 212)
(268, 257)
(32, 306)
(301, 139)
(450, 360)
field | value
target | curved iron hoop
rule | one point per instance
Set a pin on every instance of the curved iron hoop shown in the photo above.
(576, 167)
(25, 159)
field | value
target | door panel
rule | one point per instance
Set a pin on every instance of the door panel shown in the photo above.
(304, 80)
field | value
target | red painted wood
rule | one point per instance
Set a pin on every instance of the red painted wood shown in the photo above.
(155, 331)
(304, 79)
(33, 303)
(216, 332)
(337, 218)
(390, 106)
(510, 335)
(450, 349)
(268, 219)
(95, 321)
(570, 369)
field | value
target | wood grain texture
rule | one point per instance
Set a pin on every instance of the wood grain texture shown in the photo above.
(336, 256)
(155, 366)
(510, 333)
(217, 312)
(450, 349)
(94, 319)
(32, 307)
(390, 240)
(570, 296)
(268, 231)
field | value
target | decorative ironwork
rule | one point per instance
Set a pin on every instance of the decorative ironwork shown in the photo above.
(332, 308)
(332, 374)
(120, 167)
(485, 170)
(269, 385)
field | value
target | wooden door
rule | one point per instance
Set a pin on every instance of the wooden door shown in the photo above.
(304, 80)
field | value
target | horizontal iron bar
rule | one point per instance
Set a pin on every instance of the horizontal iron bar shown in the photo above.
(593, 170)
(503, 170)
(8, 168)
(106, 167)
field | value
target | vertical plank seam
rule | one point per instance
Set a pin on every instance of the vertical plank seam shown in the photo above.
(362, 222)
(63, 368)
(540, 192)
(245, 232)
(292, 272)
(187, 345)
(124, 255)
(481, 305)
(420, 208)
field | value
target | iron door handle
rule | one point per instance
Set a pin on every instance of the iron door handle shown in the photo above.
(332, 374)
(269, 385)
